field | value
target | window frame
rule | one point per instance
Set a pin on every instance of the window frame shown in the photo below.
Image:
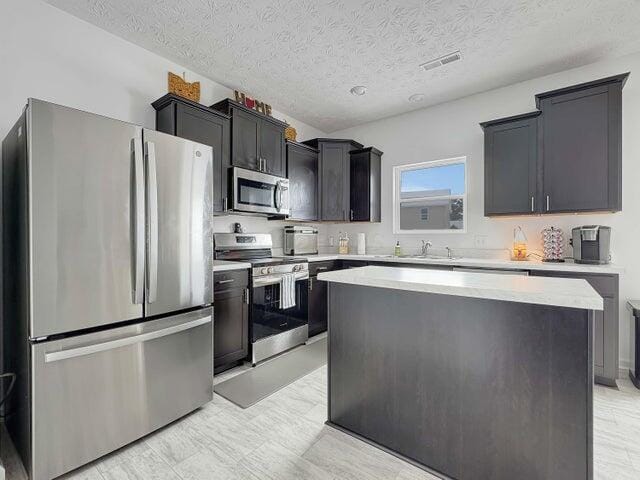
(397, 176)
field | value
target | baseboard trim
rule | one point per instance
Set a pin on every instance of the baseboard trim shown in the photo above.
(388, 450)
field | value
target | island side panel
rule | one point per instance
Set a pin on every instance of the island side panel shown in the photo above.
(472, 388)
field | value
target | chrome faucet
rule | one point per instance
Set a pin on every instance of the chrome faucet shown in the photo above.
(448, 253)
(425, 247)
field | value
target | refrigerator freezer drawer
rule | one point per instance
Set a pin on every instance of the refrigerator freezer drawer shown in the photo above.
(95, 393)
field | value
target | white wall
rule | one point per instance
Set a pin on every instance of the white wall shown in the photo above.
(451, 130)
(49, 54)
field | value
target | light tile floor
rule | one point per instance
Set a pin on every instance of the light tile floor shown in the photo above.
(283, 437)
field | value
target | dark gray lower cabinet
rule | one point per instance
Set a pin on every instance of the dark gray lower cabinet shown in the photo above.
(510, 165)
(605, 350)
(317, 300)
(302, 172)
(317, 306)
(231, 319)
(411, 265)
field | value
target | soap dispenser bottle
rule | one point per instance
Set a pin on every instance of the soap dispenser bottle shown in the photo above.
(397, 251)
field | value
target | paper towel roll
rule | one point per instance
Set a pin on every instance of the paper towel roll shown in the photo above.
(361, 244)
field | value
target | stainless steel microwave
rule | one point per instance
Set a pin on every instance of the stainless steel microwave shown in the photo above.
(258, 192)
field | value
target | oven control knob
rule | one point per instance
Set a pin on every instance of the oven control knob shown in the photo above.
(264, 271)
(270, 270)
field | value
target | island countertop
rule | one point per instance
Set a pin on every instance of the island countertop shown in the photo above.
(560, 292)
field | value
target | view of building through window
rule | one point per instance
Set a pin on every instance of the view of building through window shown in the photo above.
(430, 196)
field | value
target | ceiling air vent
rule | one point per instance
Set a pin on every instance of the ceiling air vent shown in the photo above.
(440, 61)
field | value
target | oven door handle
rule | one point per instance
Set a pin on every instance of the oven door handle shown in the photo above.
(276, 279)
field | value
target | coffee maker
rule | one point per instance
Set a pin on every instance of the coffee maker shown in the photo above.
(591, 244)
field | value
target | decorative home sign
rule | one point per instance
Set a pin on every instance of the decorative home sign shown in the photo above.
(290, 133)
(252, 103)
(181, 87)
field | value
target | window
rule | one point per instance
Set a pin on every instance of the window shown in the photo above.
(430, 197)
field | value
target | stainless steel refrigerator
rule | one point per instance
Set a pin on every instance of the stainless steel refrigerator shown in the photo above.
(107, 283)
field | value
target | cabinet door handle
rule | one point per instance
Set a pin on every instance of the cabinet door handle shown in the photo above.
(322, 268)
(532, 205)
(310, 283)
(351, 215)
(224, 204)
(547, 203)
(246, 296)
(226, 281)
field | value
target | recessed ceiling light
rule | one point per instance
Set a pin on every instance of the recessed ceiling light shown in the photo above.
(440, 61)
(416, 97)
(358, 90)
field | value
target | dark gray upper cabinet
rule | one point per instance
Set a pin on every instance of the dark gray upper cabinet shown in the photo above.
(184, 118)
(257, 140)
(510, 165)
(334, 176)
(244, 139)
(581, 150)
(365, 174)
(302, 172)
(565, 158)
(272, 148)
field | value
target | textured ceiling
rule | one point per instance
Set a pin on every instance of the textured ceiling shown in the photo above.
(304, 56)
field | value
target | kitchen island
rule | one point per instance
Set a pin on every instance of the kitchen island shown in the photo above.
(467, 375)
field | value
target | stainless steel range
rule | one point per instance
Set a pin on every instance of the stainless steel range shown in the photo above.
(279, 293)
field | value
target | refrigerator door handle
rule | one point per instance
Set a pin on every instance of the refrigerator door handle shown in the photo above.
(122, 342)
(152, 204)
(138, 222)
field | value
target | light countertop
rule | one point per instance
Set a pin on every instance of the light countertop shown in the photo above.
(560, 292)
(567, 266)
(223, 266)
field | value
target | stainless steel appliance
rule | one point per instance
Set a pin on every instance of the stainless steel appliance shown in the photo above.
(300, 240)
(591, 244)
(108, 261)
(272, 329)
(258, 192)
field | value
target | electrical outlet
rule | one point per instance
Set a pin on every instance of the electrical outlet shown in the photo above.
(480, 241)
(332, 241)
